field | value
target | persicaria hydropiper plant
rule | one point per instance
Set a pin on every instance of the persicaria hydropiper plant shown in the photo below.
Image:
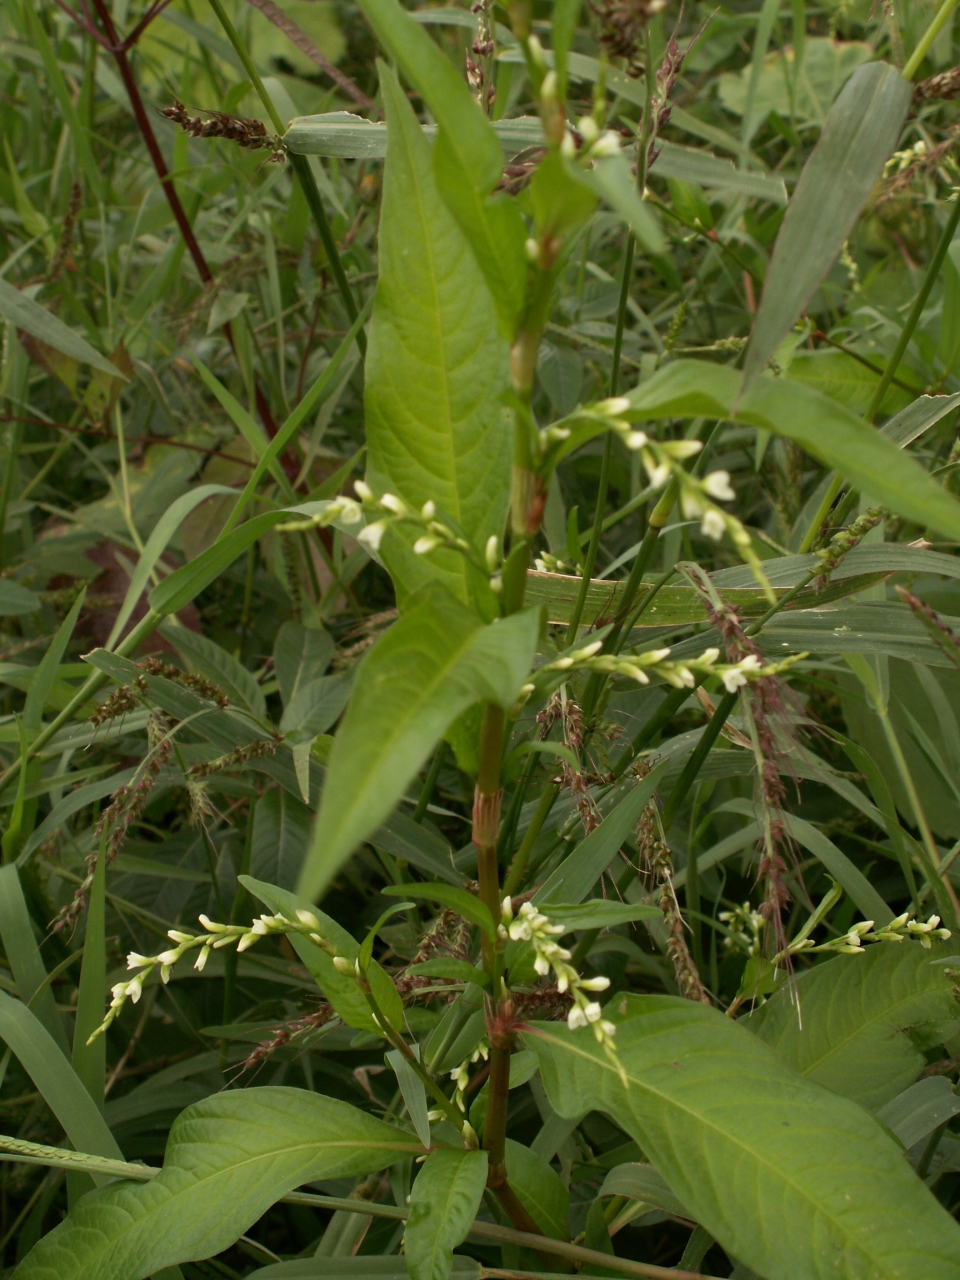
(479, 631)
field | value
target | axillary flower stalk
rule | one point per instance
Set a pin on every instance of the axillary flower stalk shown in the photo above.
(531, 925)
(217, 936)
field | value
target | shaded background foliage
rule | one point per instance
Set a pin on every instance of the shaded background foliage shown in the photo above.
(92, 463)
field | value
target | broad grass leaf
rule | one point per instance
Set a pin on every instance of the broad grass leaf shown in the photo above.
(221, 667)
(300, 656)
(22, 312)
(281, 833)
(24, 958)
(228, 1159)
(825, 429)
(156, 544)
(185, 583)
(436, 367)
(418, 844)
(443, 1204)
(55, 1080)
(916, 1112)
(16, 600)
(599, 913)
(430, 666)
(642, 1182)
(581, 869)
(859, 134)
(315, 707)
(793, 1180)
(865, 1019)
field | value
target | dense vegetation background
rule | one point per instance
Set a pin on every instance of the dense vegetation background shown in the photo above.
(177, 283)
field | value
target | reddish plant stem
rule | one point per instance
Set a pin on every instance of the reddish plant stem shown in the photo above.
(119, 51)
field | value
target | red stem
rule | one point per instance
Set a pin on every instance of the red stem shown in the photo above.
(119, 51)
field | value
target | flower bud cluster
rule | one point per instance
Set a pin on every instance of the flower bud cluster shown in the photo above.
(217, 935)
(898, 930)
(546, 563)
(745, 929)
(531, 925)
(682, 675)
(661, 460)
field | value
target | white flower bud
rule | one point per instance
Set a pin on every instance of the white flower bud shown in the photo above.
(363, 491)
(690, 504)
(595, 984)
(658, 472)
(211, 926)
(733, 680)
(428, 510)
(135, 988)
(492, 552)
(613, 407)
(548, 89)
(608, 1028)
(308, 918)
(568, 148)
(593, 1011)
(709, 657)
(470, 1139)
(350, 512)
(168, 957)
(636, 440)
(606, 145)
(712, 524)
(542, 966)
(532, 248)
(176, 936)
(343, 965)
(717, 484)
(390, 502)
(589, 130)
(589, 650)
(576, 1018)
(136, 961)
(681, 448)
(201, 959)
(424, 545)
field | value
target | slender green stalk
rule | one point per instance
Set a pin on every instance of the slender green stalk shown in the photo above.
(431, 781)
(923, 48)
(238, 913)
(519, 865)
(695, 763)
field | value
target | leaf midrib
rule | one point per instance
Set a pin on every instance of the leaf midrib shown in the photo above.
(203, 1183)
(725, 1136)
(863, 1028)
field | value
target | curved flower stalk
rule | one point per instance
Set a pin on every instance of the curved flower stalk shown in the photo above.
(662, 461)
(531, 925)
(243, 936)
(639, 667)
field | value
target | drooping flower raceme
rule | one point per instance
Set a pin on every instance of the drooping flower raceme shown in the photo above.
(533, 926)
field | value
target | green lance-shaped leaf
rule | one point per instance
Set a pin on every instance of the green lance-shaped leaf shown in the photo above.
(794, 1181)
(443, 1204)
(468, 157)
(23, 313)
(865, 1020)
(228, 1159)
(430, 666)
(825, 429)
(221, 667)
(859, 134)
(436, 368)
